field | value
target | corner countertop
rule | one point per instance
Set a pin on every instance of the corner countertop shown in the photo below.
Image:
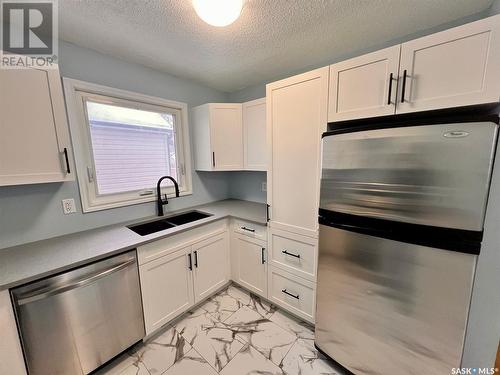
(28, 262)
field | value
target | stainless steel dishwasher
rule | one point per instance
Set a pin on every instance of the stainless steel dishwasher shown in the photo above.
(74, 322)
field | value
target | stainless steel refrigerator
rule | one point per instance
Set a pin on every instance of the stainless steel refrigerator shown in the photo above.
(401, 220)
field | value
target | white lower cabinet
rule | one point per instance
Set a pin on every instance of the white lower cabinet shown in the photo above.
(211, 265)
(181, 270)
(251, 264)
(294, 253)
(167, 288)
(293, 293)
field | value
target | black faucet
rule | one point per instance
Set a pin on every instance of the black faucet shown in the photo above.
(161, 201)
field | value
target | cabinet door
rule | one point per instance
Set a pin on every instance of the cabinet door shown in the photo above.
(211, 265)
(456, 67)
(167, 288)
(226, 133)
(252, 264)
(33, 129)
(254, 135)
(364, 86)
(296, 113)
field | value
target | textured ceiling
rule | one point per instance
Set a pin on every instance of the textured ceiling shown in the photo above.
(272, 38)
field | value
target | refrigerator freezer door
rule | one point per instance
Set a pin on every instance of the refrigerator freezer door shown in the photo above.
(386, 307)
(435, 175)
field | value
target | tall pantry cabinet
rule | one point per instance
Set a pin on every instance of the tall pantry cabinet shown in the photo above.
(296, 118)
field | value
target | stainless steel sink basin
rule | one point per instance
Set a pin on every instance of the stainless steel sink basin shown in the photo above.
(168, 222)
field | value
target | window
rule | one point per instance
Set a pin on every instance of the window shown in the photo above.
(124, 142)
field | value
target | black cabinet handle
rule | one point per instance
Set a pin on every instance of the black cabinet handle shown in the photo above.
(190, 262)
(290, 294)
(293, 255)
(213, 159)
(403, 87)
(390, 90)
(262, 255)
(267, 212)
(196, 259)
(67, 160)
(248, 229)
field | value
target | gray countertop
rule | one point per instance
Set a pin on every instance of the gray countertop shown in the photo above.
(24, 263)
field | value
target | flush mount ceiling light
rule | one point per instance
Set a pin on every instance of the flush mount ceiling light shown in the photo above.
(218, 12)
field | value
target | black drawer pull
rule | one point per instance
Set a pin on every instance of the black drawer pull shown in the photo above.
(262, 255)
(213, 159)
(290, 294)
(248, 229)
(196, 259)
(67, 160)
(190, 262)
(292, 255)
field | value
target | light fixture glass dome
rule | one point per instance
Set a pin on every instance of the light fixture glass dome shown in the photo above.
(218, 12)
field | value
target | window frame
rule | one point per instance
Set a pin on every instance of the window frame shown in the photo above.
(77, 93)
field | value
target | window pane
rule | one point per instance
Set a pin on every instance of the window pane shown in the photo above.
(132, 148)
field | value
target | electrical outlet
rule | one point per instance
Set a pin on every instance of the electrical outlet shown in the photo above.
(68, 206)
(264, 186)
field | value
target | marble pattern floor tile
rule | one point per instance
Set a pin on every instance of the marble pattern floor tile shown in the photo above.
(162, 351)
(191, 364)
(249, 361)
(251, 300)
(225, 303)
(135, 369)
(268, 338)
(233, 333)
(299, 328)
(304, 359)
(214, 340)
(119, 365)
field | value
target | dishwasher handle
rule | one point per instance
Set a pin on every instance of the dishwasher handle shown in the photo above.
(27, 298)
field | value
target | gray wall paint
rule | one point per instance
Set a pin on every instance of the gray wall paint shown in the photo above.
(259, 91)
(495, 8)
(247, 186)
(33, 212)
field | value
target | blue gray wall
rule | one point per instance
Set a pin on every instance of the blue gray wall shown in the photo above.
(248, 186)
(33, 212)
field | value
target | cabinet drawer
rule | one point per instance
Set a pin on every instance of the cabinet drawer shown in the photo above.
(156, 249)
(250, 229)
(294, 253)
(293, 293)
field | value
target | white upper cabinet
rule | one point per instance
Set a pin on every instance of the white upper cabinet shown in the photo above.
(218, 137)
(254, 135)
(230, 136)
(456, 67)
(34, 138)
(364, 86)
(453, 68)
(296, 116)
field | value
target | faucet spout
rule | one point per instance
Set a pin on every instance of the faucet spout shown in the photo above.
(161, 201)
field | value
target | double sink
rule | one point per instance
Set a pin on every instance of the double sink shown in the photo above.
(168, 222)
